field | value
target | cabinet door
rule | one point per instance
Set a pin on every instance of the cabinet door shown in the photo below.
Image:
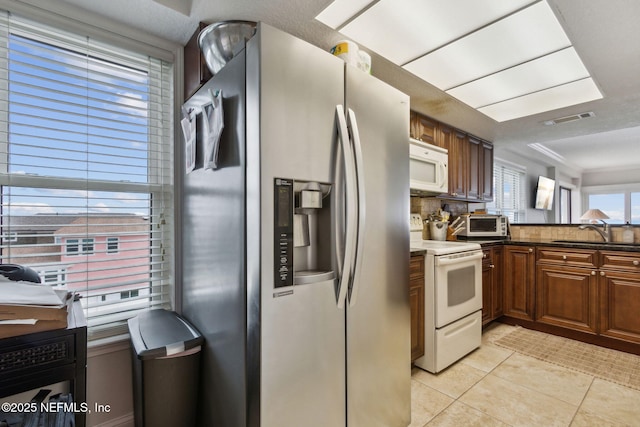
(518, 279)
(492, 289)
(497, 287)
(567, 297)
(456, 143)
(486, 165)
(416, 300)
(474, 170)
(487, 280)
(196, 72)
(426, 130)
(620, 305)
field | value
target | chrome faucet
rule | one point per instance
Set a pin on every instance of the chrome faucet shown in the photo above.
(605, 232)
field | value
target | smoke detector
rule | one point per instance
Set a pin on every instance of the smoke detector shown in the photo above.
(571, 118)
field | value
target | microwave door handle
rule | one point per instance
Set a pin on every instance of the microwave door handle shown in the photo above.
(361, 208)
(350, 207)
(443, 173)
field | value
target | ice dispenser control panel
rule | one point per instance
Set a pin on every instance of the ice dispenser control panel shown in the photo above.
(283, 232)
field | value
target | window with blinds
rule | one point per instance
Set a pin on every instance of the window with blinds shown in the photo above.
(86, 169)
(508, 190)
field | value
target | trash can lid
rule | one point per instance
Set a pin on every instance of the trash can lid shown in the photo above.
(160, 333)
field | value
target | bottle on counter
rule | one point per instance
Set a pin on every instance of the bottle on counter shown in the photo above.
(627, 233)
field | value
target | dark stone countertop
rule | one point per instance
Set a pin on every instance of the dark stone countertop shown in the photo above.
(571, 244)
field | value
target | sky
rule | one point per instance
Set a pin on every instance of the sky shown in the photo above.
(75, 117)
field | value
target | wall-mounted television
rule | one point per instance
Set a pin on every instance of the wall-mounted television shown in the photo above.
(544, 193)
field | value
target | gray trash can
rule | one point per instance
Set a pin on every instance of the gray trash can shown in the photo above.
(166, 364)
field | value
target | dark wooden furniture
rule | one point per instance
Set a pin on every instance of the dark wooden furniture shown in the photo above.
(492, 288)
(519, 277)
(619, 288)
(416, 299)
(566, 288)
(39, 359)
(470, 158)
(587, 294)
(196, 72)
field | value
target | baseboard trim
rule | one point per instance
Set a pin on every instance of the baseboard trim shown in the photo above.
(126, 420)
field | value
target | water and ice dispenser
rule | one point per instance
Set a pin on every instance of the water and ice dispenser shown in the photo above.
(302, 231)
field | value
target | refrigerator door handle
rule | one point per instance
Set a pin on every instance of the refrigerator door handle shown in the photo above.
(361, 204)
(350, 202)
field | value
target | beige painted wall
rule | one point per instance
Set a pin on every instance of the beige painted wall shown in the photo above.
(109, 382)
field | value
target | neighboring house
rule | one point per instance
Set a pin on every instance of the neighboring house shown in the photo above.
(102, 257)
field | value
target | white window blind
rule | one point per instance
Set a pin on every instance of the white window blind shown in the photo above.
(508, 190)
(86, 169)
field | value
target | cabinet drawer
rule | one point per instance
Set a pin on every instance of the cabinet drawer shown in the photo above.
(628, 261)
(575, 257)
(416, 267)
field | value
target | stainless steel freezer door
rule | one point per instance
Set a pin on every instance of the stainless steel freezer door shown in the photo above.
(378, 323)
(302, 329)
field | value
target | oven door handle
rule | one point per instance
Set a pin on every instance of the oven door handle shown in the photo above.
(444, 260)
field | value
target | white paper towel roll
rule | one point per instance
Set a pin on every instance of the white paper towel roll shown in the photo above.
(348, 51)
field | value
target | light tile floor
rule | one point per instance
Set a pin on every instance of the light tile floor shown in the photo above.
(494, 386)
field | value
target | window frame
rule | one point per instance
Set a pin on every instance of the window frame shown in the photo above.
(518, 214)
(160, 193)
(625, 189)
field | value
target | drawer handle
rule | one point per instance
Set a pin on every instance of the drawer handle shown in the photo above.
(602, 273)
(491, 266)
(530, 249)
(564, 257)
(636, 262)
(593, 273)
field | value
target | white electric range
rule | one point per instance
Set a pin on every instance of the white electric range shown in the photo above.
(453, 298)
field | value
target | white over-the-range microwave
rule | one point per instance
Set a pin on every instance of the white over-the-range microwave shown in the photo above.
(428, 168)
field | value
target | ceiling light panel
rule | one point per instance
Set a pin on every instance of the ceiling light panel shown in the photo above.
(573, 93)
(529, 33)
(551, 70)
(340, 11)
(403, 30)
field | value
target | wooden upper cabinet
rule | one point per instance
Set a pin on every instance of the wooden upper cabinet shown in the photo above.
(426, 130)
(474, 171)
(486, 183)
(196, 72)
(458, 165)
(470, 158)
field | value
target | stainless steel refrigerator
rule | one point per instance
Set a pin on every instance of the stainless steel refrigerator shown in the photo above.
(296, 247)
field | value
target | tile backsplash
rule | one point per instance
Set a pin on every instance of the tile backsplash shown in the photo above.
(565, 232)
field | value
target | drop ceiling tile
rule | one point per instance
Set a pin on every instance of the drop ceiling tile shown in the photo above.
(551, 70)
(340, 11)
(527, 34)
(402, 30)
(573, 93)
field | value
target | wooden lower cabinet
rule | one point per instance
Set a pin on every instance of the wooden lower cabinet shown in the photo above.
(620, 305)
(519, 281)
(492, 289)
(567, 297)
(416, 300)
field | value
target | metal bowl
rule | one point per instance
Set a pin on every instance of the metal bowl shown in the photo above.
(221, 41)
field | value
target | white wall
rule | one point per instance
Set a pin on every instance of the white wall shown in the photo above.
(534, 169)
(611, 177)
